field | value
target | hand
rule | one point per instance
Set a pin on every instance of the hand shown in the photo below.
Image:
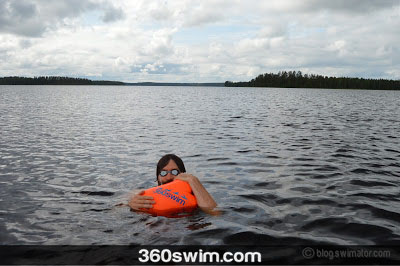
(139, 201)
(186, 177)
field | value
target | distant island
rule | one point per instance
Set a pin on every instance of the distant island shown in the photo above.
(293, 79)
(283, 79)
(207, 84)
(56, 80)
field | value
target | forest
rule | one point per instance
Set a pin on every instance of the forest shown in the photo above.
(54, 80)
(293, 79)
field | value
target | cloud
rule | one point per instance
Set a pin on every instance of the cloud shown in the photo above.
(338, 46)
(24, 43)
(316, 6)
(273, 30)
(19, 17)
(201, 41)
(7, 44)
(184, 13)
(113, 14)
(349, 6)
(203, 14)
(160, 11)
(161, 42)
(32, 18)
(158, 68)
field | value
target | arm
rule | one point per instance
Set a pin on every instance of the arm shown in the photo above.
(204, 200)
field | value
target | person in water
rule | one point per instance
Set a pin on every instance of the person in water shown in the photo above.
(169, 168)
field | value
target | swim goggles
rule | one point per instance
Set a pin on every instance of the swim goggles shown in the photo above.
(174, 172)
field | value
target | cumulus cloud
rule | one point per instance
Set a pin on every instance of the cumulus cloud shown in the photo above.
(315, 6)
(161, 11)
(201, 41)
(112, 14)
(161, 42)
(20, 17)
(273, 30)
(203, 14)
(32, 18)
(185, 13)
(339, 46)
(350, 6)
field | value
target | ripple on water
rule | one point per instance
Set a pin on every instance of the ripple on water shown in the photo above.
(268, 185)
(376, 196)
(371, 183)
(294, 166)
(96, 193)
(346, 229)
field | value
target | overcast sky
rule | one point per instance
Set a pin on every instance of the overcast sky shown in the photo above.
(199, 41)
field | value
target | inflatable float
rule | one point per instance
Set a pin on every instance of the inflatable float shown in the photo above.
(172, 200)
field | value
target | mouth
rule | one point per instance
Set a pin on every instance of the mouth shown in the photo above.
(166, 182)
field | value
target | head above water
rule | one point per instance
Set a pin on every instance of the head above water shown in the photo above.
(164, 161)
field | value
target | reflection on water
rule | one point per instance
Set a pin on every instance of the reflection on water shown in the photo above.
(285, 165)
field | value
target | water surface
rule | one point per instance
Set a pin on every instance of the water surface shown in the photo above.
(285, 165)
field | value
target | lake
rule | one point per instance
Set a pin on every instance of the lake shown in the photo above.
(284, 165)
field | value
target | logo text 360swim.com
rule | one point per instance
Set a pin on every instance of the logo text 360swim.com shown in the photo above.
(172, 195)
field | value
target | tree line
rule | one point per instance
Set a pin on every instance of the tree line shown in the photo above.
(293, 79)
(54, 80)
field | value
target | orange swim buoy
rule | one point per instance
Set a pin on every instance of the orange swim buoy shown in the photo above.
(171, 199)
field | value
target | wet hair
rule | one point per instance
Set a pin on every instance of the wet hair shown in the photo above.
(165, 160)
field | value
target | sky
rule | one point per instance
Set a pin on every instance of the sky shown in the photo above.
(199, 41)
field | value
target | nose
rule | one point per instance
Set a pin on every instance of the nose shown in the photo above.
(168, 177)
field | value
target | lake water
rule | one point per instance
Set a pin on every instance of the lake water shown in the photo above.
(285, 165)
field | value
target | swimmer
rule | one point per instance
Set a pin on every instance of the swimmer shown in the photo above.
(169, 168)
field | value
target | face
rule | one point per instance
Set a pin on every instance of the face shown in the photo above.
(169, 177)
